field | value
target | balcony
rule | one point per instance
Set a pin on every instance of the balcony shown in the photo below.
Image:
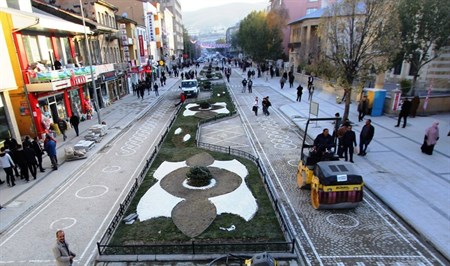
(58, 79)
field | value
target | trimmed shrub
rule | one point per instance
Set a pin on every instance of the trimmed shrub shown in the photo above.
(199, 176)
(405, 85)
(205, 105)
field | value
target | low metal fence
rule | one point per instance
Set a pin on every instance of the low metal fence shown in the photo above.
(104, 248)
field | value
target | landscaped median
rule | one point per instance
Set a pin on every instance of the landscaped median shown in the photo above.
(228, 211)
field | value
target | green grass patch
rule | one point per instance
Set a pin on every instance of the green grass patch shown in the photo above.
(263, 227)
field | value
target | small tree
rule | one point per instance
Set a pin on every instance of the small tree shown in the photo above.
(199, 176)
(360, 37)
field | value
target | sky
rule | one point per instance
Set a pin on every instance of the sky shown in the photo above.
(191, 5)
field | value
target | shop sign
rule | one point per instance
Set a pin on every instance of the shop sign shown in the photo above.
(141, 45)
(77, 80)
(150, 26)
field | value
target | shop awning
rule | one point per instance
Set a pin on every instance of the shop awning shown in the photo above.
(39, 20)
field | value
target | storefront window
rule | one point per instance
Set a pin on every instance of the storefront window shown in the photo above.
(53, 107)
(31, 48)
(75, 101)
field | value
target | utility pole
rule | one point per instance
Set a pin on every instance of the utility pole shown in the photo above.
(94, 87)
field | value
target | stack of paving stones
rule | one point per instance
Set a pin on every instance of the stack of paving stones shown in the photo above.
(96, 133)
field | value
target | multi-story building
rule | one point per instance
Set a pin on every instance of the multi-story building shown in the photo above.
(44, 85)
(110, 70)
(297, 9)
(177, 22)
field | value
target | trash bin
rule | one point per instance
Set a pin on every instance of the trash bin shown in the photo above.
(376, 99)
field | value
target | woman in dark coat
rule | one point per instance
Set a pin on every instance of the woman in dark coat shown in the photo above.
(430, 139)
(348, 140)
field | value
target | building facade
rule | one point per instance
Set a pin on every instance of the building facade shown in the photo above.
(297, 9)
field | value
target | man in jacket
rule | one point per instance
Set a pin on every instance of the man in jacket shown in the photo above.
(38, 151)
(404, 112)
(348, 140)
(63, 255)
(74, 121)
(50, 148)
(365, 137)
(62, 127)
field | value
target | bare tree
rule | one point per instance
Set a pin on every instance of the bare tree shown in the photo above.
(360, 37)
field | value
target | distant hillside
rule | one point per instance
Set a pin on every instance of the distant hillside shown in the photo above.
(221, 17)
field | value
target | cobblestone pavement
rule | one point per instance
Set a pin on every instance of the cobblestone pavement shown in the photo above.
(367, 235)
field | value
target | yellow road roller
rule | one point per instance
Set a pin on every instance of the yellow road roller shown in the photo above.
(334, 184)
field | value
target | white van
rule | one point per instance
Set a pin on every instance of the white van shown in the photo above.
(190, 87)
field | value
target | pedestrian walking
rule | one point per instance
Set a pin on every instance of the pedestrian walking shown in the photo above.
(265, 105)
(31, 159)
(63, 255)
(291, 79)
(310, 82)
(155, 88)
(365, 137)
(22, 163)
(256, 106)
(7, 164)
(348, 140)
(38, 151)
(244, 85)
(182, 99)
(228, 74)
(282, 82)
(62, 125)
(363, 108)
(250, 85)
(404, 112)
(75, 121)
(11, 147)
(50, 148)
(431, 138)
(311, 92)
(299, 93)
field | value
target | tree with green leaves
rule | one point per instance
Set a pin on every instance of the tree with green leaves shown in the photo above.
(258, 38)
(192, 50)
(360, 36)
(424, 29)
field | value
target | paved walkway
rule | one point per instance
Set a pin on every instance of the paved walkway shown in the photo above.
(24, 197)
(415, 185)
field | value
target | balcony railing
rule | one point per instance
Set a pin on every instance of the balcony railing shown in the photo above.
(57, 75)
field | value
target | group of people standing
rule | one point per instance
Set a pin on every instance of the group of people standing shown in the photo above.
(265, 104)
(21, 160)
(346, 140)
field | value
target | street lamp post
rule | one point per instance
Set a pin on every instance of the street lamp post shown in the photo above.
(90, 63)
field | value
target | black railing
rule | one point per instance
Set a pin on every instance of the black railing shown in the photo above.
(106, 237)
(199, 248)
(194, 248)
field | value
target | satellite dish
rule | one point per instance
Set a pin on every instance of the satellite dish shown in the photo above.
(124, 15)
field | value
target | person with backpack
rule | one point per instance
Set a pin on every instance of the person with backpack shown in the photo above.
(244, 85)
(250, 85)
(265, 105)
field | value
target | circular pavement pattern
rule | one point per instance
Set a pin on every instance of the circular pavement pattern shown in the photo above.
(90, 192)
(342, 220)
(63, 223)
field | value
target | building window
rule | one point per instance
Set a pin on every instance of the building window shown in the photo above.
(310, 10)
(31, 48)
